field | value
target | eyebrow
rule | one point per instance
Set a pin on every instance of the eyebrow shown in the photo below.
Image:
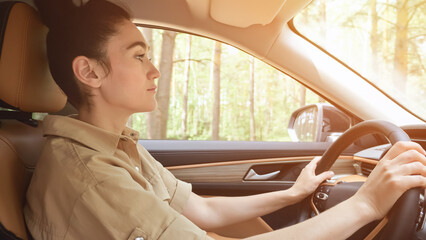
(139, 43)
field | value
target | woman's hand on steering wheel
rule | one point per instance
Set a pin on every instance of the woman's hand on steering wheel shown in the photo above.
(402, 168)
(307, 181)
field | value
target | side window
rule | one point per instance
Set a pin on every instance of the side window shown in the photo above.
(212, 91)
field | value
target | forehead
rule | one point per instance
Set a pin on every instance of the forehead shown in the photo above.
(127, 35)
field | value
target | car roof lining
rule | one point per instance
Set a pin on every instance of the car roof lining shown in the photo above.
(244, 13)
(194, 16)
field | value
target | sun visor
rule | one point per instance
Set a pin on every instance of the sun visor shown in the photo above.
(244, 13)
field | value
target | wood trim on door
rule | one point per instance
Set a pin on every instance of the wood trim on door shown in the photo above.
(234, 171)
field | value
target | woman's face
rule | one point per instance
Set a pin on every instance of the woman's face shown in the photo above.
(130, 82)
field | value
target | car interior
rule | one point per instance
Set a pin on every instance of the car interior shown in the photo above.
(214, 168)
(26, 86)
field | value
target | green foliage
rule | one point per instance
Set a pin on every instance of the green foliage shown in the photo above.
(276, 95)
(345, 30)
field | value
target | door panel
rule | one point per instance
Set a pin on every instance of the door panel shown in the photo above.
(219, 168)
(283, 170)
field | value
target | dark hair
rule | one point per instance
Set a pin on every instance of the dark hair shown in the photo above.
(77, 31)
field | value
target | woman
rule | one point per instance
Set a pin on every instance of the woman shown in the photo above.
(93, 181)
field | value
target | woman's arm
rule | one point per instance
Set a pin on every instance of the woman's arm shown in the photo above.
(210, 213)
(339, 222)
(402, 168)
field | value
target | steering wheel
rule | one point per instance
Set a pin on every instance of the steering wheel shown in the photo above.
(403, 216)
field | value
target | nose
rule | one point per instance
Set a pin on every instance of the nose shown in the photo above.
(153, 73)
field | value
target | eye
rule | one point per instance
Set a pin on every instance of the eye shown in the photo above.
(140, 57)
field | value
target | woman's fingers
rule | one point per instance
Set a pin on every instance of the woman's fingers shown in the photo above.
(408, 156)
(407, 163)
(312, 164)
(307, 181)
(401, 147)
(413, 168)
(413, 181)
(406, 171)
(324, 176)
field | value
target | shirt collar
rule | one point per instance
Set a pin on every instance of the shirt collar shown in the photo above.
(87, 134)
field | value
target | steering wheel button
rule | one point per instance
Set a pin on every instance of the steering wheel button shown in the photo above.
(321, 196)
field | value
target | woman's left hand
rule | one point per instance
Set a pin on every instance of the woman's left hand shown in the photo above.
(307, 181)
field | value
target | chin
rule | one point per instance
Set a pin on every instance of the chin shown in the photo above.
(148, 107)
(151, 109)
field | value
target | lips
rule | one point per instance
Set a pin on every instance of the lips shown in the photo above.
(152, 89)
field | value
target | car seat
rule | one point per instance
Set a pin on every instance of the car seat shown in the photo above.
(26, 86)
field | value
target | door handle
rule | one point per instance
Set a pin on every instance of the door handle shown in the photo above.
(252, 175)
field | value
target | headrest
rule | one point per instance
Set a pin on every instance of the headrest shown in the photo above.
(25, 79)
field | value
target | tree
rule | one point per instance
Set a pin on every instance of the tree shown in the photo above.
(185, 87)
(158, 118)
(400, 62)
(374, 38)
(147, 32)
(252, 119)
(302, 99)
(323, 22)
(323, 31)
(215, 76)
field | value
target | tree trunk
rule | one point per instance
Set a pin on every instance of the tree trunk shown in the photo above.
(323, 23)
(401, 46)
(252, 119)
(374, 40)
(323, 27)
(215, 76)
(147, 33)
(159, 117)
(150, 117)
(302, 99)
(185, 88)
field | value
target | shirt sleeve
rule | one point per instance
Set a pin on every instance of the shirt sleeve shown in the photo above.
(119, 208)
(179, 191)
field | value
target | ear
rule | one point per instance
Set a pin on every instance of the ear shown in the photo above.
(87, 71)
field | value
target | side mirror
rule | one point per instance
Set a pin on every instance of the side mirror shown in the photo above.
(318, 123)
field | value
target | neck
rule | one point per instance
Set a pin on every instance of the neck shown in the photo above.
(112, 120)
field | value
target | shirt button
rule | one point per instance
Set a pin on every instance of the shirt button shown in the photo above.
(137, 169)
(139, 238)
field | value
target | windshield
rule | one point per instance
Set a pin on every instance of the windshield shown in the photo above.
(383, 40)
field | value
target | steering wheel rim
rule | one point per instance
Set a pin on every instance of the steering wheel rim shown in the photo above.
(406, 208)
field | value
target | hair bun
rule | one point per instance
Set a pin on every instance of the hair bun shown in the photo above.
(55, 13)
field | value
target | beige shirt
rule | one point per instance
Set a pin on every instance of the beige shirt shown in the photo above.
(92, 184)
